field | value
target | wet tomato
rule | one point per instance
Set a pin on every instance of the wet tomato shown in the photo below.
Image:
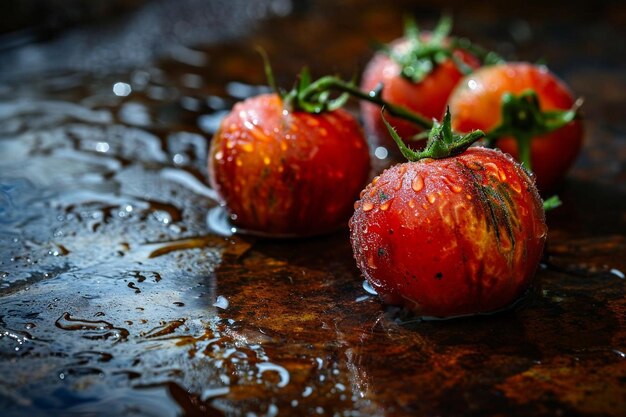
(476, 104)
(283, 172)
(425, 95)
(452, 236)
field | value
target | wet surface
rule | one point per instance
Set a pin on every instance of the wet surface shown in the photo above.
(117, 299)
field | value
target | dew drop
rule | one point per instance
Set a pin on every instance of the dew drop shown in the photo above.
(417, 184)
(367, 206)
(454, 187)
(221, 302)
(368, 288)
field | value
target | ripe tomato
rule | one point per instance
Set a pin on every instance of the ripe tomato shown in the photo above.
(426, 96)
(282, 172)
(452, 236)
(476, 104)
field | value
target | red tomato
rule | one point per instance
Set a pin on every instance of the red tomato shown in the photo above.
(475, 104)
(427, 97)
(288, 173)
(452, 236)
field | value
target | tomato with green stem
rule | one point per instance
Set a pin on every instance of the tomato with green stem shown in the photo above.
(525, 111)
(285, 167)
(418, 72)
(455, 231)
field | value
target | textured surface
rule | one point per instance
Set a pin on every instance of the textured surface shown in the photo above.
(116, 299)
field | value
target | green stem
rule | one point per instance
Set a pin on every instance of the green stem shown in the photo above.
(442, 142)
(374, 96)
(485, 56)
(552, 203)
(523, 119)
(523, 149)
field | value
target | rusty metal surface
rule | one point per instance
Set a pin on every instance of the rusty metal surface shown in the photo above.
(115, 299)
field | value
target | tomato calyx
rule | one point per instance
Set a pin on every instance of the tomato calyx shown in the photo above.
(442, 141)
(424, 53)
(315, 96)
(523, 119)
(306, 97)
(298, 98)
(551, 203)
(319, 90)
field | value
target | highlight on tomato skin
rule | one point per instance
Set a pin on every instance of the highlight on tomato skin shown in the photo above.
(476, 104)
(453, 236)
(288, 172)
(426, 97)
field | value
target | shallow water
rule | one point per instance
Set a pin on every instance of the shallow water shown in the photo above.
(116, 298)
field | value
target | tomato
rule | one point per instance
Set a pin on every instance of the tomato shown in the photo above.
(283, 172)
(453, 236)
(476, 104)
(426, 97)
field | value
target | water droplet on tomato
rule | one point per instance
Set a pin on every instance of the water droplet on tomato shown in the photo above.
(541, 231)
(367, 206)
(417, 184)
(454, 187)
(384, 206)
(516, 186)
(431, 198)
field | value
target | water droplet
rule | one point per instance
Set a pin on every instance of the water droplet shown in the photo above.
(368, 288)
(431, 198)
(417, 184)
(121, 89)
(102, 147)
(214, 392)
(367, 206)
(221, 302)
(384, 206)
(282, 372)
(453, 186)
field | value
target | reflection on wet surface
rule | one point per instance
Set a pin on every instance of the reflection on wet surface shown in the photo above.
(115, 295)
